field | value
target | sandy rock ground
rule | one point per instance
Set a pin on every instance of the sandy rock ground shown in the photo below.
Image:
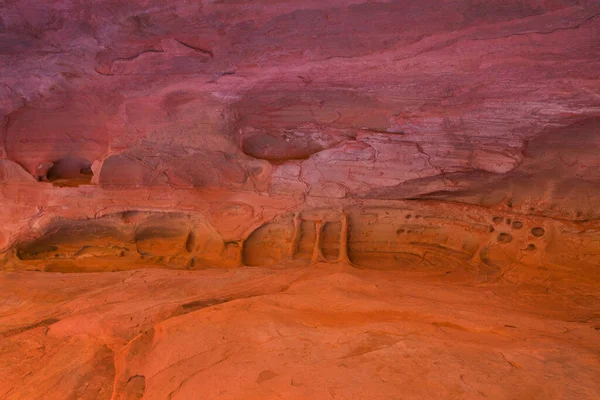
(319, 332)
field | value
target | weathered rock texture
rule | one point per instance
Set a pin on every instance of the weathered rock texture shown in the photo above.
(299, 200)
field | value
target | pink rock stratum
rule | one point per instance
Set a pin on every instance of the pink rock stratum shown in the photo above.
(342, 199)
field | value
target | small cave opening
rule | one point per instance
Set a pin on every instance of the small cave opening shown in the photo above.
(69, 171)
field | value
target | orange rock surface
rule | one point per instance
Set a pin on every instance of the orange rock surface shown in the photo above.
(299, 200)
(324, 331)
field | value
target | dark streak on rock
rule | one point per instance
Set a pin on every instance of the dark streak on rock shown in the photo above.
(103, 73)
(220, 74)
(137, 55)
(375, 130)
(577, 26)
(125, 59)
(47, 322)
(197, 49)
(199, 304)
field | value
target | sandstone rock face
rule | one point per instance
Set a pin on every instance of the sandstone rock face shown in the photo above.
(299, 200)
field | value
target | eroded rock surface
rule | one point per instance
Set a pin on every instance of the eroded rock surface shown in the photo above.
(256, 200)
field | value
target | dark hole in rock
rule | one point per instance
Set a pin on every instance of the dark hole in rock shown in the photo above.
(70, 171)
(287, 145)
(517, 224)
(307, 240)
(190, 243)
(87, 171)
(505, 237)
(538, 231)
(330, 240)
(269, 244)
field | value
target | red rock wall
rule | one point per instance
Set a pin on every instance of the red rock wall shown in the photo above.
(482, 103)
